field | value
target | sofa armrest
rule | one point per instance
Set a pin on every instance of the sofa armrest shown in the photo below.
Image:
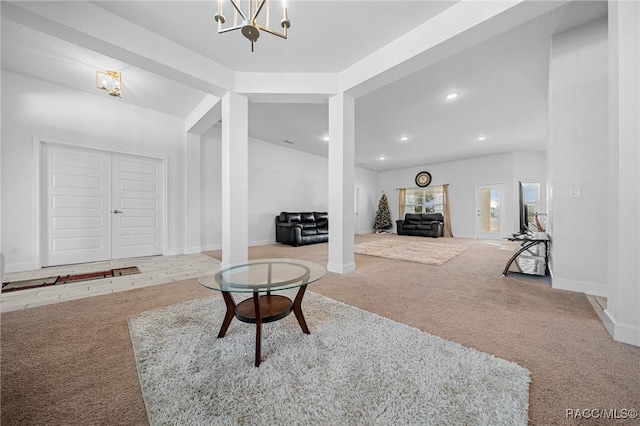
(438, 228)
(399, 224)
(288, 232)
(296, 235)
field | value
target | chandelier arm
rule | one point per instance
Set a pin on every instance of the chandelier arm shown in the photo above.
(226, 30)
(283, 35)
(255, 16)
(238, 9)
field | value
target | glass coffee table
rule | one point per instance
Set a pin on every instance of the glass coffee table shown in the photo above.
(261, 277)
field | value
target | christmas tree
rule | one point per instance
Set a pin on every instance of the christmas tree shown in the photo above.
(383, 215)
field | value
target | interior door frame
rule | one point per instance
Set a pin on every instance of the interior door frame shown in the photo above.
(39, 220)
(501, 220)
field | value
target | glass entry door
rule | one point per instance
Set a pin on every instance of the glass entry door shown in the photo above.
(489, 212)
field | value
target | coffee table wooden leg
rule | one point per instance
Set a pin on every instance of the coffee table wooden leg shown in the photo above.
(231, 311)
(297, 309)
(256, 305)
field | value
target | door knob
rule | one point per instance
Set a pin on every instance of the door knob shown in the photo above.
(116, 211)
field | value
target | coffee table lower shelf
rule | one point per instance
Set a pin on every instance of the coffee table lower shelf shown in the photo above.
(262, 309)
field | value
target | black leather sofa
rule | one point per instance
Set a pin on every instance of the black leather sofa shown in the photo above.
(421, 224)
(298, 229)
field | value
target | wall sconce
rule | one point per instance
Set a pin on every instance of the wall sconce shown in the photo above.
(109, 81)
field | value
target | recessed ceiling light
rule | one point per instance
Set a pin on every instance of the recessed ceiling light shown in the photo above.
(326, 138)
(452, 96)
(404, 138)
(481, 138)
(382, 157)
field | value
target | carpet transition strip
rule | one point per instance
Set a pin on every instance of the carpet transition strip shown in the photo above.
(66, 279)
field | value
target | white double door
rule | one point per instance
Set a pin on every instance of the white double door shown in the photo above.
(99, 205)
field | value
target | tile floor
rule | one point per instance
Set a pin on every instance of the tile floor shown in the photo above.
(154, 270)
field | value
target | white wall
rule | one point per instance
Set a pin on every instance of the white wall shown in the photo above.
(622, 316)
(280, 179)
(463, 176)
(211, 187)
(577, 158)
(34, 108)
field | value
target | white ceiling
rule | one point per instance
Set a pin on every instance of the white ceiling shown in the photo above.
(501, 82)
(35, 54)
(325, 36)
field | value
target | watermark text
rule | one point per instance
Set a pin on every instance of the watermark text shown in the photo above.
(601, 413)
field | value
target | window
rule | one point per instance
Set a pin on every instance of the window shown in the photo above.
(424, 200)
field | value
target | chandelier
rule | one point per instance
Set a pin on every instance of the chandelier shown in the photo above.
(249, 22)
(109, 81)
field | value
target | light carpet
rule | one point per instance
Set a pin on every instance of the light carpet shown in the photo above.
(413, 251)
(355, 368)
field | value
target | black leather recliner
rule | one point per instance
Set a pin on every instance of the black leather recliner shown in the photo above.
(298, 229)
(424, 225)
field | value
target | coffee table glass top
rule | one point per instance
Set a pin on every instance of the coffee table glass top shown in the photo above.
(261, 275)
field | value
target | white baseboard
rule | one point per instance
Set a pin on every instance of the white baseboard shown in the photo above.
(261, 243)
(173, 252)
(212, 247)
(608, 322)
(341, 269)
(19, 267)
(471, 237)
(624, 333)
(192, 250)
(594, 289)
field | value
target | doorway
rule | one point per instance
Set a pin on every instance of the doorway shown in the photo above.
(489, 211)
(99, 205)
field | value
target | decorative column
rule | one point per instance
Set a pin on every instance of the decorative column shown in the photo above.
(341, 183)
(235, 179)
(622, 316)
(193, 194)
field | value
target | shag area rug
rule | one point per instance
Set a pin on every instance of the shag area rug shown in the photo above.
(413, 251)
(355, 368)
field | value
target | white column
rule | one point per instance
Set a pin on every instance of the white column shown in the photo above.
(623, 301)
(341, 183)
(193, 195)
(235, 179)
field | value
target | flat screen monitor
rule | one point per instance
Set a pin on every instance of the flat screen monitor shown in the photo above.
(523, 212)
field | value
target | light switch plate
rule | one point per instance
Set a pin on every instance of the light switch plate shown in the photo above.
(574, 191)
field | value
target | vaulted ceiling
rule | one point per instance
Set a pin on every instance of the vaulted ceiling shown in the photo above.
(501, 82)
